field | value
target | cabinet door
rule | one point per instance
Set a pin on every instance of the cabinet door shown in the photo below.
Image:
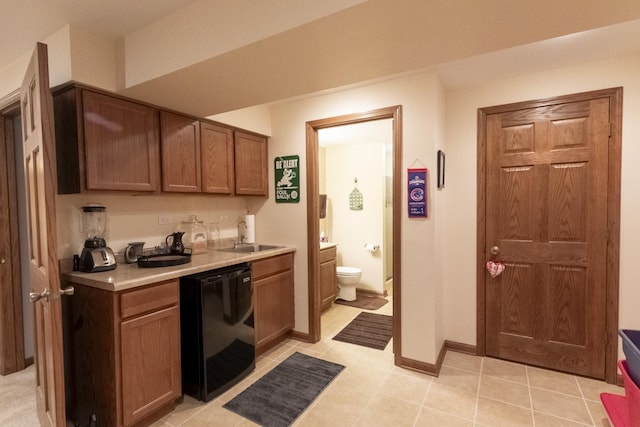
(180, 140)
(273, 309)
(120, 144)
(250, 164)
(328, 283)
(150, 354)
(217, 159)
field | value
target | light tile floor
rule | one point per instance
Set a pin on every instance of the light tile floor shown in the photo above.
(371, 391)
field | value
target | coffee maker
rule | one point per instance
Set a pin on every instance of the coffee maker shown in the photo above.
(96, 256)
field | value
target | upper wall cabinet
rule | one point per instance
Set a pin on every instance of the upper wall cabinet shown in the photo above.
(197, 156)
(216, 151)
(251, 164)
(180, 141)
(105, 142)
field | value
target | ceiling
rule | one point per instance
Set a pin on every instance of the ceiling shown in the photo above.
(24, 22)
(353, 41)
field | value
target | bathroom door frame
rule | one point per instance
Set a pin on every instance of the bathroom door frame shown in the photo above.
(313, 214)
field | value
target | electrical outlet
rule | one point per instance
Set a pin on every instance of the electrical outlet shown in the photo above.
(165, 219)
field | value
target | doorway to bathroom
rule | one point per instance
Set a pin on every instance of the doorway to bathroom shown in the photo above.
(355, 175)
(339, 152)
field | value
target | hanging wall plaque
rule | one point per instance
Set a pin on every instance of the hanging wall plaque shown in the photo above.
(287, 179)
(356, 201)
(417, 188)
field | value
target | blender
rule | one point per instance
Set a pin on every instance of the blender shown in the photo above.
(96, 256)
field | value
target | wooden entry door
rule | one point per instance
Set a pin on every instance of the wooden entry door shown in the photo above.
(547, 184)
(40, 182)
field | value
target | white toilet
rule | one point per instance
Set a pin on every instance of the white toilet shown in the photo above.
(348, 278)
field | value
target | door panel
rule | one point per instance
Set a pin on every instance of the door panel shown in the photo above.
(11, 324)
(217, 159)
(40, 183)
(546, 211)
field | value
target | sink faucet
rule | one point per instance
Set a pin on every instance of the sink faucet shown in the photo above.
(242, 227)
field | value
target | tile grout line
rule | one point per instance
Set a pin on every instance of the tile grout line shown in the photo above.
(584, 400)
(475, 410)
(424, 399)
(533, 416)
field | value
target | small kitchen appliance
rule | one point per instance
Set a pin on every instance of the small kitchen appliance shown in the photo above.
(96, 256)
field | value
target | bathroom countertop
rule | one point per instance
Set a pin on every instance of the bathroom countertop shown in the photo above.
(127, 276)
(325, 245)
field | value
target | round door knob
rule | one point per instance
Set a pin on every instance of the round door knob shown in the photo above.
(495, 250)
(3, 261)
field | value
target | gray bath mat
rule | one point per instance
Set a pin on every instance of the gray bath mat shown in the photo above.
(281, 395)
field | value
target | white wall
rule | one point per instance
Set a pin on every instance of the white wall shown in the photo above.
(257, 118)
(419, 95)
(352, 229)
(59, 63)
(460, 229)
(135, 218)
(74, 54)
(93, 59)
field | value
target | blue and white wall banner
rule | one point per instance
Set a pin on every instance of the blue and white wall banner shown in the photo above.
(417, 188)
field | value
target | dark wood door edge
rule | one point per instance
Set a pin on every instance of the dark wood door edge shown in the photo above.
(11, 329)
(613, 208)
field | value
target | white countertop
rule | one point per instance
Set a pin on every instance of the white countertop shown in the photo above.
(127, 276)
(325, 245)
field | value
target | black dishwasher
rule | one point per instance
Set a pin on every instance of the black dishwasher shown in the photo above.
(217, 331)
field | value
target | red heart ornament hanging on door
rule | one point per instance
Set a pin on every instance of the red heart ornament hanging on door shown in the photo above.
(495, 268)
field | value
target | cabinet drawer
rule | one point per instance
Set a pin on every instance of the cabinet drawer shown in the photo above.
(327, 254)
(149, 299)
(270, 266)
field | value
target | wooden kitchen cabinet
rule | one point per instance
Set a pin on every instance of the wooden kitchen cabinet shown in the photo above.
(107, 142)
(122, 354)
(250, 164)
(104, 142)
(218, 170)
(180, 142)
(273, 300)
(197, 156)
(328, 279)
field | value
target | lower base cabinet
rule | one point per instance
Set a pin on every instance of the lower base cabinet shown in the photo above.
(273, 300)
(122, 354)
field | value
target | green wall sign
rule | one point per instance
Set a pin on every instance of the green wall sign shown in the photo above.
(287, 179)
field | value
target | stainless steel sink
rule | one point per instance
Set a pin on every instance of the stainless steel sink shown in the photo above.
(249, 248)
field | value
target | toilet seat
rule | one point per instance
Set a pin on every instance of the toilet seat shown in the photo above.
(347, 271)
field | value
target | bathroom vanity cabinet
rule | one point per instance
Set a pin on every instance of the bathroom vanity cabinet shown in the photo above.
(273, 300)
(328, 279)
